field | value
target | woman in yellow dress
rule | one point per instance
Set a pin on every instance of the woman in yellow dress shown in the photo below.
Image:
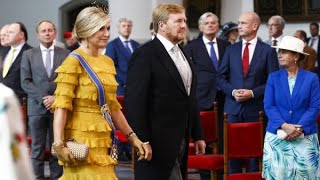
(77, 111)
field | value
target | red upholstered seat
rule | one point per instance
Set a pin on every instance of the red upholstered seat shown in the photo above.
(209, 161)
(243, 140)
(121, 137)
(245, 176)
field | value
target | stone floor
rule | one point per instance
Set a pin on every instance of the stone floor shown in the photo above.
(124, 172)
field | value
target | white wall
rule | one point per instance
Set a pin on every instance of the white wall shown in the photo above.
(30, 12)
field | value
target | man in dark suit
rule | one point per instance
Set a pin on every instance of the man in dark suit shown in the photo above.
(314, 42)
(200, 50)
(120, 50)
(207, 52)
(37, 79)
(243, 75)
(162, 107)
(17, 37)
(275, 26)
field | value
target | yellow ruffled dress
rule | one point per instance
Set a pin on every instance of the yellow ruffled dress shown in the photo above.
(77, 93)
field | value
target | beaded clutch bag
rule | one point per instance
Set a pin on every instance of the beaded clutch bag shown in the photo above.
(79, 151)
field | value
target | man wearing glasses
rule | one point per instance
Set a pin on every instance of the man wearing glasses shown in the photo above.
(275, 29)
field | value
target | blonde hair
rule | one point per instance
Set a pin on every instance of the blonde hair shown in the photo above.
(162, 12)
(89, 21)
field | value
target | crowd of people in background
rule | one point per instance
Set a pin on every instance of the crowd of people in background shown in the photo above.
(166, 81)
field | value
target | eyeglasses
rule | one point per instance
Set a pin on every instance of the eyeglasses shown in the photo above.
(273, 25)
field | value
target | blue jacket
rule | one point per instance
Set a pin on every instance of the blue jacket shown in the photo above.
(301, 108)
(230, 76)
(120, 56)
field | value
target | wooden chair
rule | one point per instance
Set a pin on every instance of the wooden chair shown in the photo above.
(242, 141)
(213, 161)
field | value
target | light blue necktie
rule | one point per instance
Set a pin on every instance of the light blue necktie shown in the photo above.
(48, 62)
(213, 56)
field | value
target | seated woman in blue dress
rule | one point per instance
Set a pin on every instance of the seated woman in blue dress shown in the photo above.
(291, 102)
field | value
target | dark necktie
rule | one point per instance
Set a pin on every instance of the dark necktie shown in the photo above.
(274, 43)
(245, 60)
(126, 45)
(312, 41)
(213, 56)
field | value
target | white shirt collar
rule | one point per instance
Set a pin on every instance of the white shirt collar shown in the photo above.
(206, 40)
(123, 39)
(19, 47)
(166, 43)
(44, 48)
(252, 42)
(278, 38)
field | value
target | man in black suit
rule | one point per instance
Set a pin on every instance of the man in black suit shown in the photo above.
(162, 107)
(314, 42)
(17, 37)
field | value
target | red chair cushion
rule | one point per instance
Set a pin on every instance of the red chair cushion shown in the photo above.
(208, 162)
(245, 176)
(121, 137)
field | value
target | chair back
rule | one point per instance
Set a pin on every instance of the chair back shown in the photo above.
(243, 140)
(209, 120)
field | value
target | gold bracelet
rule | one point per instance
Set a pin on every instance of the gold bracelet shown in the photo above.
(57, 143)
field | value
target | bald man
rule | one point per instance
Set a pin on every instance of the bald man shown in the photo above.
(243, 74)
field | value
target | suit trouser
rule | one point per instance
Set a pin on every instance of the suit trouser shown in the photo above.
(235, 165)
(40, 126)
(176, 171)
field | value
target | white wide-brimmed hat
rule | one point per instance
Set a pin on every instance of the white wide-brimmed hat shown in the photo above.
(292, 44)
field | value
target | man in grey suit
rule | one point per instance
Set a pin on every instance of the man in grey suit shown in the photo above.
(37, 80)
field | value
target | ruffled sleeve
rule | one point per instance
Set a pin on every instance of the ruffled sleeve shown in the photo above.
(66, 81)
(112, 101)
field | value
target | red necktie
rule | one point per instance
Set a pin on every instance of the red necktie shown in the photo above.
(245, 60)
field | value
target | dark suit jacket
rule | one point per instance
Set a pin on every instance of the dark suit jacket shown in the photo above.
(12, 79)
(206, 72)
(120, 56)
(159, 109)
(34, 78)
(318, 54)
(301, 108)
(230, 76)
